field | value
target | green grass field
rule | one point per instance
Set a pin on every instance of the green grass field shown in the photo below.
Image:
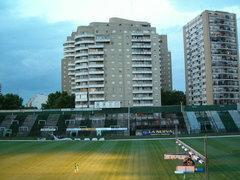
(112, 159)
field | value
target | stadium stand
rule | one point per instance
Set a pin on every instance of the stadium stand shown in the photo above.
(228, 121)
(216, 121)
(74, 121)
(6, 124)
(98, 121)
(193, 122)
(191, 119)
(27, 125)
(63, 124)
(186, 122)
(52, 121)
(205, 122)
(236, 117)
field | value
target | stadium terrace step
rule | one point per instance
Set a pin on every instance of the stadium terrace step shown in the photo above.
(193, 122)
(186, 122)
(7, 122)
(216, 121)
(228, 121)
(52, 120)
(236, 117)
(74, 121)
(27, 125)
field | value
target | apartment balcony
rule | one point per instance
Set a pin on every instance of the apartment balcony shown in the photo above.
(81, 86)
(96, 72)
(142, 72)
(142, 78)
(69, 55)
(96, 92)
(141, 65)
(81, 61)
(97, 99)
(103, 40)
(71, 68)
(95, 85)
(141, 40)
(142, 91)
(81, 67)
(96, 65)
(81, 54)
(81, 48)
(96, 79)
(81, 73)
(142, 85)
(69, 50)
(143, 98)
(96, 59)
(142, 46)
(142, 59)
(69, 43)
(84, 36)
(96, 46)
(81, 80)
(85, 42)
(71, 64)
(96, 52)
(71, 74)
(141, 52)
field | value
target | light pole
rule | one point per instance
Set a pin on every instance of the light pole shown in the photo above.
(128, 115)
(206, 156)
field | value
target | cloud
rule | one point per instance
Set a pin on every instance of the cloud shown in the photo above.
(33, 31)
(31, 52)
(158, 12)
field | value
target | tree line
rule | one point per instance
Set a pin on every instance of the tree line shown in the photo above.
(59, 100)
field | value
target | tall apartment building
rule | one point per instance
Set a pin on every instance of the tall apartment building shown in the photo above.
(68, 65)
(117, 60)
(166, 64)
(212, 59)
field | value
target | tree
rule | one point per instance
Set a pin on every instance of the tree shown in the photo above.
(59, 100)
(10, 101)
(173, 97)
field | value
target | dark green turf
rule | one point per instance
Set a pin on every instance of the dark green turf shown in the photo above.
(112, 159)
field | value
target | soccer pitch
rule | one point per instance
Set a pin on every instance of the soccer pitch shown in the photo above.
(141, 159)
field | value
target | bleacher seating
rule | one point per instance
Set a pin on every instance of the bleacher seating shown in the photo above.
(74, 121)
(216, 121)
(186, 122)
(228, 121)
(52, 121)
(7, 122)
(98, 122)
(27, 125)
(193, 122)
(236, 117)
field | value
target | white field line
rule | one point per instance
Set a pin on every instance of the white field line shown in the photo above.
(140, 139)
(196, 137)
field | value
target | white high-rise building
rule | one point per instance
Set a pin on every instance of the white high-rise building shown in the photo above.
(117, 61)
(212, 59)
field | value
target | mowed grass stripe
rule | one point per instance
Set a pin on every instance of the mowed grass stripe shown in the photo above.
(112, 159)
(224, 156)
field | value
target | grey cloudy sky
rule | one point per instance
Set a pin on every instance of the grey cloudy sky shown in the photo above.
(32, 33)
